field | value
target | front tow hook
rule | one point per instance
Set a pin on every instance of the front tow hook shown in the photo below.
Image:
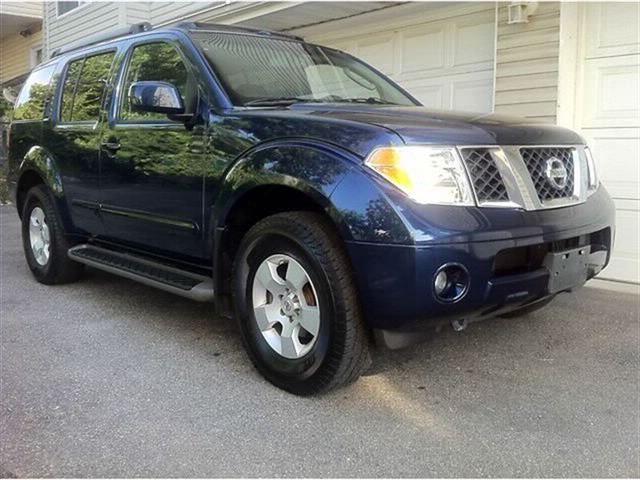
(459, 324)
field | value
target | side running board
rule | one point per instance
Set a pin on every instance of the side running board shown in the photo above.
(154, 274)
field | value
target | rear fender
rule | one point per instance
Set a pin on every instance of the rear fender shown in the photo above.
(40, 162)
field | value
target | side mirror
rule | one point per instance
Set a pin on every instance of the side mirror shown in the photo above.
(158, 97)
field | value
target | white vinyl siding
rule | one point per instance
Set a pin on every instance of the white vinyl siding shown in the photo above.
(22, 9)
(98, 17)
(75, 25)
(16, 55)
(168, 12)
(137, 12)
(527, 64)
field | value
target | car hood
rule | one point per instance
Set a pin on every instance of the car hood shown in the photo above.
(420, 125)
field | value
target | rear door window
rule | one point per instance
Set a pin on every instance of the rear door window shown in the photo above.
(31, 101)
(84, 87)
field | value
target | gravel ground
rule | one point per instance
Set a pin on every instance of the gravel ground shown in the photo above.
(107, 377)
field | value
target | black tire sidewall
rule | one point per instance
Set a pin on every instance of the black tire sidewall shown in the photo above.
(35, 198)
(274, 366)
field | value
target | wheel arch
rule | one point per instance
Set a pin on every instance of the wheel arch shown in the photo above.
(273, 179)
(37, 167)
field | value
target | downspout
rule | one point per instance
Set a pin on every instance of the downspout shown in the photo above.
(495, 57)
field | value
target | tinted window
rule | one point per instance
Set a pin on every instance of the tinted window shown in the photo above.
(31, 101)
(84, 87)
(67, 6)
(70, 82)
(260, 69)
(154, 62)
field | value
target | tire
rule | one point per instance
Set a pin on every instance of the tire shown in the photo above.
(337, 353)
(529, 308)
(54, 268)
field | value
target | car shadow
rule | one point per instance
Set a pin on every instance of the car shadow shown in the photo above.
(186, 317)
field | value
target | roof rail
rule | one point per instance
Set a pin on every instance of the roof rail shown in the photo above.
(234, 29)
(103, 37)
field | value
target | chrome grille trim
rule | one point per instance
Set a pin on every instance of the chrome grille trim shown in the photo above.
(485, 176)
(517, 179)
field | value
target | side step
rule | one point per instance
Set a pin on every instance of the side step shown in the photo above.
(154, 274)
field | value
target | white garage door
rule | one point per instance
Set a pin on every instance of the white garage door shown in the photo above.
(608, 114)
(443, 56)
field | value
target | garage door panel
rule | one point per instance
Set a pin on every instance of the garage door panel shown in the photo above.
(625, 264)
(423, 50)
(378, 51)
(445, 63)
(614, 84)
(616, 154)
(473, 44)
(436, 96)
(468, 92)
(608, 114)
(613, 29)
(472, 95)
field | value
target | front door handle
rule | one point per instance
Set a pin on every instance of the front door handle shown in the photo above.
(112, 146)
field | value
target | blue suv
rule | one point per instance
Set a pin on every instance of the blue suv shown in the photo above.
(299, 190)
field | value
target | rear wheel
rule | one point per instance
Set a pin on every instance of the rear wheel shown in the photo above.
(44, 242)
(297, 306)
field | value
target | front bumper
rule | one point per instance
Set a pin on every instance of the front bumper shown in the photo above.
(507, 268)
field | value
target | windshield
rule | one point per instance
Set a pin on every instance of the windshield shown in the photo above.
(266, 71)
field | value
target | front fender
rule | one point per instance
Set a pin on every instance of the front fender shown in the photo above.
(332, 177)
(312, 168)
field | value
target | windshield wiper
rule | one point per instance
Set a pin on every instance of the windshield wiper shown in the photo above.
(270, 101)
(274, 101)
(372, 100)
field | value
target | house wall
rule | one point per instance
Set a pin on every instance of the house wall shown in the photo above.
(96, 17)
(527, 64)
(87, 19)
(15, 55)
(23, 9)
(168, 12)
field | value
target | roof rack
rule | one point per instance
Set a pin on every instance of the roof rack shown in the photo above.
(234, 29)
(103, 37)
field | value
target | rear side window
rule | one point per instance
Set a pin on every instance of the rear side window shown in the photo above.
(33, 96)
(155, 62)
(84, 87)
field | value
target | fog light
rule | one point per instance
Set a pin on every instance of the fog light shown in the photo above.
(451, 282)
(440, 282)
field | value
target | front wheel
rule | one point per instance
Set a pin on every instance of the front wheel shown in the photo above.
(297, 305)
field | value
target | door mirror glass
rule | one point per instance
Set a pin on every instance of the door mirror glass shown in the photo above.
(159, 64)
(156, 97)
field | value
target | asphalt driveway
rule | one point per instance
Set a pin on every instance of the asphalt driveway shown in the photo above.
(110, 378)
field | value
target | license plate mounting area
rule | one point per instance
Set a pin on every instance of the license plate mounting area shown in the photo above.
(568, 268)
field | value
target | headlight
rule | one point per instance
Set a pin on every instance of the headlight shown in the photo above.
(426, 174)
(591, 171)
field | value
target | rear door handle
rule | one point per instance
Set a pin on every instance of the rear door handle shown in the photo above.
(113, 146)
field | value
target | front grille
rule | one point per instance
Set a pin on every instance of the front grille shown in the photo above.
(487, 181)
(536, 160)
(499, 175)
